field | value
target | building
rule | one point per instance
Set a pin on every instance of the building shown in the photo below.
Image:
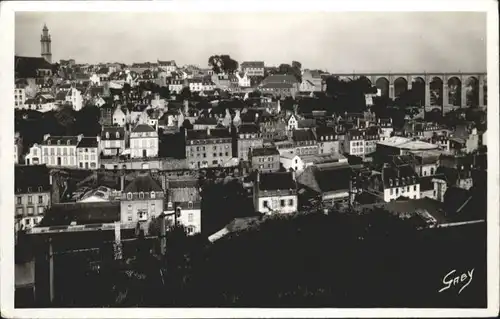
(386, 128)
(253, 68)
(60, 150)
(141, 200)
(33, 195)
(19, 95)
(41, 102)
(275, 193)
(291, 161)
(167, 66)
(249, 137)
(119, 118)
(371, 137)
(327, 140)
(279, 89)
(305, 142)
(88, 153)
(265, 159)
(175, 85)
(426, 162)
(106, 116)
(272, 127)
(331, 183)
(311, 81)
(243, 80)
(208, 148)
(183, 198)
(292, 122)
(397, 145)
(354, 142)
(46, 43)
(34, 155)
(393, 182)
(144, 141)
(74, 97)
(18, 147)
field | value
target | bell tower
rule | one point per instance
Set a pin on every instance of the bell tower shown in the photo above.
(45, 42)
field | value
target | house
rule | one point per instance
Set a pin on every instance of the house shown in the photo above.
(275, 193)
(279, 89)
(119, 117)
(204, 123)
(371, 136)
(42, 102)
(167, 66)
(265, 159)
(88, 152)
(291, 161)
(272, 127)
(392, 182)
(20, 94)
(354, 142)
(433, 187)
(292, 122)
(305, 142)
(34, 155)
(221, 81)
(386, 128)
(175, 85)
(285, 146)
(183, 198)
(426, 162)
(33, 195)
(18, 147)
(208, 148)
(311, 81)
(330, 183)
(253, 68)
(143, 141)
(74, 97)
(106, 114)
(243, 79)
(327, 140)
(112, 140)
(60, 150)
(141, 200)
(249, 137)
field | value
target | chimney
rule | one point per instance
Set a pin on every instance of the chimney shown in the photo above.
(122, 182)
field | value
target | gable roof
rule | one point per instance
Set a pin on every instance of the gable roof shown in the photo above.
(276, 181)
(88, 142)
(143, 128)
(31, 177)
(26, 67)
(326, 179)
(143, 183)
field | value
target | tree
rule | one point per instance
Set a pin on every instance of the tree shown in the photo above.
(185, 93)
(222, 63)
(87, 121)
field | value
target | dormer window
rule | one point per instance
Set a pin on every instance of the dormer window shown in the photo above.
(117, 134)
(153, 194)
(48, 142)
(29, 189)
(129, 196)
(390, 182)
(58, 142)
(69, 142)
(39, 188)
(190, 205)
(107, 134)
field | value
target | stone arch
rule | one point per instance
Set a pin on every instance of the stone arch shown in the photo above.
(418, 90)
(436, 91)
(472, 91)
(455, 91)
(382, 83)
(400, 86)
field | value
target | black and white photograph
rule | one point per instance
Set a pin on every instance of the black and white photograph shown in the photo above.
(250, 156)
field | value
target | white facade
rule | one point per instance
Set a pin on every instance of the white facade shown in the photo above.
(292, 124)
(88, 157)
(243, 81)
(74, 96)
(410, 191)
(355, 147)
(144, 144)
(61, 155)
(175, 87)
(119, 118)
(95, 79)
(427, 169)
(293, 161)
(281, 204)
(190, 218)
(34, 156)
(385, 133)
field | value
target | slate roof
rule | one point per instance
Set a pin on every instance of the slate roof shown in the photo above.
(276, 181)
(90, 142)
(203, 134)
(143, 128)
(334, 178)
(82, 213)
(404, 174)
(426, 183)
(252, 64)
(183, 190)
(143, 183)
(33, 177)
(61, 140)
(303, 135)
(264, 151)
(249, 128)
(26, 67)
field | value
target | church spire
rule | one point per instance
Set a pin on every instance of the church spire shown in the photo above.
(45, 42)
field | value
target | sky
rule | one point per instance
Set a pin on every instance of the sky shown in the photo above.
(331, 41)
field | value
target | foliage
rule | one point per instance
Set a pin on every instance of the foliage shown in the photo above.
(222, 64)
(185, 93)
(294, 69)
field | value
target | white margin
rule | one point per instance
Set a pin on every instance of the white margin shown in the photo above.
(7, 9)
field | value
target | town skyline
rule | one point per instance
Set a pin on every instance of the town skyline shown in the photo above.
(423, 48)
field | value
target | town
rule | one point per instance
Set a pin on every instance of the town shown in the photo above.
(137, 172)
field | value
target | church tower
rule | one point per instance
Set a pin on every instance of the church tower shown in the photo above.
(45, 42)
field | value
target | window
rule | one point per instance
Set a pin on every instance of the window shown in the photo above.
(392, 191)
(153, 207)
(190, 217)
(215, 154)
(190, 205)
(415, 188)
(290, 202)
(19, 200)
(282, 203)
(40, 199)
(265, 203)
(30, 210)
(19, 211)
(153, 194)
(141, 195)
(30, 199)
(40, 210)
(129, 197)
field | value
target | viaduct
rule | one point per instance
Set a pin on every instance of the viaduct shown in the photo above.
(392, 84)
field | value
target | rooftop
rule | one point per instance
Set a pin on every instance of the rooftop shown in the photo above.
(90, 142)
(82, 213)
(276, 181)
(28, 179)
(143, 183)
(264, 151)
